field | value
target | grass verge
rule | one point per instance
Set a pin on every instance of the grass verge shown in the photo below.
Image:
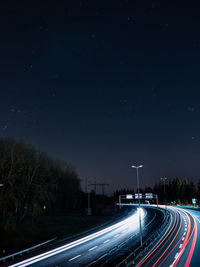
(60, 224)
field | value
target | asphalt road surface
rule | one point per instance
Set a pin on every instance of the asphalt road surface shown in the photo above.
(180, 245)
(94, 247)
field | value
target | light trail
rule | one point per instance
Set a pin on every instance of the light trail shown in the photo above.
(160, 243)
(187, 227)
(130, 222)
(193, 243)
(186, 240)
(194, 232)
(168, 245)
(170, 253)
(177, 254)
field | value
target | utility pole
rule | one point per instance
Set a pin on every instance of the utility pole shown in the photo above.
(89, 211)
(103, 188)
(120, 201)
(95, 191)
(86, 185)
(95, 187)
(115, 200)
(157, 199)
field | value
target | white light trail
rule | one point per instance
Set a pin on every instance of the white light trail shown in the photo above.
(131, 222)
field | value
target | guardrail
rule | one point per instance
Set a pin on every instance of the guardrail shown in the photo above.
(138, 252)
(26, 250)
(123, 244)
(197, 208)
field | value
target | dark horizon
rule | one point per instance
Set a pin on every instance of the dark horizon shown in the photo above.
(105, 85)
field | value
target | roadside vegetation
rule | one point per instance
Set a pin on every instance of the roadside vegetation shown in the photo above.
(178, 191)
(59, 225)
(41, 198)
(33, 183)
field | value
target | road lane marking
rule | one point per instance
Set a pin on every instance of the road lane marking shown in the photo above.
(93, 248)
(75, 243)
(104, 255)
(91, 263)
(106, 241)
(189, 258)
(176, 256)
(166, 234)
(183, 238)
(170, 242)
(74, 257)
(187, 238)
(180, 246)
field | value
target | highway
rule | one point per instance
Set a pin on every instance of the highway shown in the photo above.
(178, 246)
(196, 255)
(93, 248)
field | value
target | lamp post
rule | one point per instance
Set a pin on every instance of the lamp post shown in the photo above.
(164, 179)
(137, 167)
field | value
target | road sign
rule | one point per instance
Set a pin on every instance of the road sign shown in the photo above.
(149, 196)
(129, 196)
(194, 201)
(138, 196)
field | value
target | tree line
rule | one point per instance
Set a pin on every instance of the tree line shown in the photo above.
(33, 183)
(178, 191)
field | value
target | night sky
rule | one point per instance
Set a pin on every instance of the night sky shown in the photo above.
(104, 84)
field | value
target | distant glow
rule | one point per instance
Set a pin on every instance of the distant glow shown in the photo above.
(130, 222)
(141, 212)
(133, 221)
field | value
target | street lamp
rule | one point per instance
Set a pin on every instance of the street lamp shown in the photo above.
(164, 179)
(137, 167)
